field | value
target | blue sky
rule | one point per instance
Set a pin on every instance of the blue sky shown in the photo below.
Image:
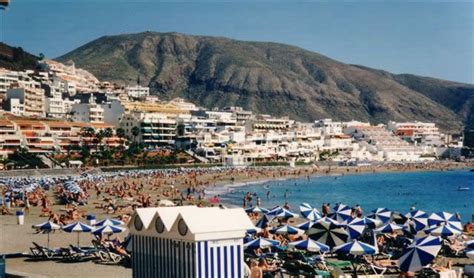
(430, 38)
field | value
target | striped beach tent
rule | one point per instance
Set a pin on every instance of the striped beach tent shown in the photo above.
(439, 218)
(341, 213)
(328, 233)
(356, 248)
(108, 230)
(420, 253)
(443, 230)
(261, 243)
(308, 212)
(355, 227)
(309, 245)
(77, 227)
(287, 230)
(256, 209)
(109, 222)
(419, 219)
(389, 228)
(381, 214)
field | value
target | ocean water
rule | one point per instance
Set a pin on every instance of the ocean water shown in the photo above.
(429, 191)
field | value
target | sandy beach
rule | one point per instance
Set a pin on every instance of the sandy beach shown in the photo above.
(17, 239)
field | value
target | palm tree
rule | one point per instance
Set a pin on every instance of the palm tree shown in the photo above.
(135, 132)
(120, 132)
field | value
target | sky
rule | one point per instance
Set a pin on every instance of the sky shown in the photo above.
(430, 38)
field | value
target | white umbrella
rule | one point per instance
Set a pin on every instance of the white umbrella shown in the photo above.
(78, 228)
(420, 253)
(47, 226)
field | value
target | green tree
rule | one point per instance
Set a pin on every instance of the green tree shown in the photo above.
(120, 132)
(135, 132)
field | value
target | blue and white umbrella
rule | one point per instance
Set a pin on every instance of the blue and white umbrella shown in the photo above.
(355, 227)
(274, 211)
(439, 218)
(469, 253)
(261, 243)
(470, 244)
(256, 209)
(287, 230)
(419, 219)
(328, 233)
(305, 225)
(308, 212)
(381, 214)
(443, 230)
(389, 228)
(341, 213)
(372, 223)
(47, 226)
(356, 248)
(254, 230)
(420, 253)
(284, 213)
(109, 222)
(108, 230)
(78, 228)
(309, 245)
(264, 221)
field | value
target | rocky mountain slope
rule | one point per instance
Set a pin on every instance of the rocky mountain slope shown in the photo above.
(272, 78)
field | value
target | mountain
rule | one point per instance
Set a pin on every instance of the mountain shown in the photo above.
(272, 78)
(15, 58)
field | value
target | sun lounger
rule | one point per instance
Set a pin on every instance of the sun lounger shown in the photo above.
(39, 251)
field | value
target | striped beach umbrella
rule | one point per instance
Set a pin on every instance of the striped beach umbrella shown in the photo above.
(410, 228)
(420, 253)
(372, 223)
(341, 213)
(256, 209)
(381, 214)
(77, 227)
(108, 230)
(305, 225)
(439, 218)
(356, 248)
(419, 219)
(254, 230)
(264, 221)
(329, 220)
(109, 222)
(261, 243)
(389, 228)
(328, 233)
(47, 226)
(469, 253)
(284, 213)
(399, 218)
(470, 244)
(308, 212)
(443, 230)
(355, 227)
(309, 245)
(287, 230)
(274, 211)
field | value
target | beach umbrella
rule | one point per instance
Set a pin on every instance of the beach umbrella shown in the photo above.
(263, 222)
(108, 230)
(305, 225)
(389, 228)
(261, 243)
(328, 233)
(256, 209)
(470, 244)
(420, 253)
(329, 220)
(372, 223)
(308, 212)
(399, 218)
(410, 228)
(443, 230)
(287, 229)
(470, 253)
(47, 226)
(355, 227)
(381, 214)
(284, 213)
(419, 219)
(439, 218)
(341, 213)
(356, 248)
(109, 222)
(77, 227)
(254, 230)
(274, 211)
(309, 245)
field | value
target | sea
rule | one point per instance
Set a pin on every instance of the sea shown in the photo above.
(431, 191)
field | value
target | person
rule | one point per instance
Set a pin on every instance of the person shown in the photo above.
(286, 206)
(259, 202)
(247, 271)
(255, 271)
(268, 195)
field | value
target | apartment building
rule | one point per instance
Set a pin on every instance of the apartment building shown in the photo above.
(29, 102)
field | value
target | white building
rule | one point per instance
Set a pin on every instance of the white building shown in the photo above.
(28, 101)
(188, 242)
(88, 112)
(137, 91)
